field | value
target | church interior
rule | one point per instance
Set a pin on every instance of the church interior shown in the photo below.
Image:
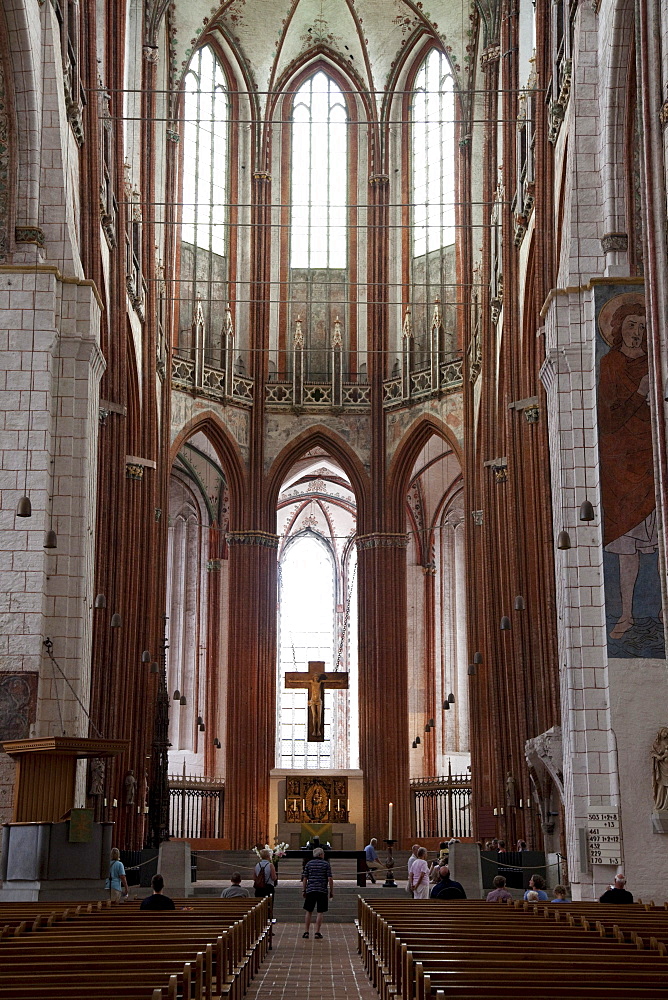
(333, 382)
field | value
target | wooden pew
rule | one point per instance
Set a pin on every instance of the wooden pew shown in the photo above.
(204, 948)
(415, 949)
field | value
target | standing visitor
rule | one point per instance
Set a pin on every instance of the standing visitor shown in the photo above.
(317, 890)
(116, 883)
(419, 875)
(372, 862)
(265, 875)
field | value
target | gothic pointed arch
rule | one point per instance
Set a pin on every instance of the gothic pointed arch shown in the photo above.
(405, 456)
(321, 436)
(229, 454)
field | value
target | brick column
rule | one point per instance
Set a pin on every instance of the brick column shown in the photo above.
(251, 698)
(383, 685)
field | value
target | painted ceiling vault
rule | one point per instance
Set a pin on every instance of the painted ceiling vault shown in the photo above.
(271, 37)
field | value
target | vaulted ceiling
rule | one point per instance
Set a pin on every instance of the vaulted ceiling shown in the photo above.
(270, 37)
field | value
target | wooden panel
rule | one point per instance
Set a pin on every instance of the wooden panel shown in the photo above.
(44, 789)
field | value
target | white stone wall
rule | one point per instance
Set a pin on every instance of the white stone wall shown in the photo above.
(50, 367)
(611, 708)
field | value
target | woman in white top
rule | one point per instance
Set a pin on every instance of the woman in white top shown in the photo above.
(419, 876)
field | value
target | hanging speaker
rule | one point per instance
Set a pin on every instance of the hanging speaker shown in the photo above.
(586, 511)
(50, 540)
(24, 507)
(519, 603)
(563, 540)
(146, 656)
(505, 624)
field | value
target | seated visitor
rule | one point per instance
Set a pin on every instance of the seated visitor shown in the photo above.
(157, 901)
(537, 884)
(531, 896)
(499, 893)
(617, 893)
(235, 890)
(559, 895)
(447, 888)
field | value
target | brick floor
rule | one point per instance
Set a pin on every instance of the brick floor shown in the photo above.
(312, 970)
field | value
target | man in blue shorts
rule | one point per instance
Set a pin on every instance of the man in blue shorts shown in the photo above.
(318, 889)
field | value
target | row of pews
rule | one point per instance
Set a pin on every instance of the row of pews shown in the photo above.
(424, 949)
(204, 950)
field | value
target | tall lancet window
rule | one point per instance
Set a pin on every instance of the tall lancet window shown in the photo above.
(205, 194)
(318, 285)
(206, 117)
(319, 175)
(433, 138)
(432, 195)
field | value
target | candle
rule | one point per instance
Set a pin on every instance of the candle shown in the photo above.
(285, 805)
(329, 804)
(389, 821)
(338, 804)
(303, 806)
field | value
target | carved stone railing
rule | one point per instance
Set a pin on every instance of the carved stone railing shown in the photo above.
(205, 380)
(407, 387)
(318, 395)
(411, 386)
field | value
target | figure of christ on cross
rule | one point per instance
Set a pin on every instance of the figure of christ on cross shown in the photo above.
(315, 681)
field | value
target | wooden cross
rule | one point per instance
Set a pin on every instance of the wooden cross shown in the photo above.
(315, 681)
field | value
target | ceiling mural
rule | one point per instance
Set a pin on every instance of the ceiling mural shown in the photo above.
(272, 36)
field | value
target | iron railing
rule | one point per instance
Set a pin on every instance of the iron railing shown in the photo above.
(442, 806)
(196, 806)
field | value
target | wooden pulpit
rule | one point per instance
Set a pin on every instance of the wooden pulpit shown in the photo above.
(46, 772)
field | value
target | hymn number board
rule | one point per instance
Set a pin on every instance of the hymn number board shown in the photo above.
(604, 839)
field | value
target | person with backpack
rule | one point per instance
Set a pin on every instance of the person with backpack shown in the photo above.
(265, 875)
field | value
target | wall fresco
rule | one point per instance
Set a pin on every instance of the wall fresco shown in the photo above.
(634, 617)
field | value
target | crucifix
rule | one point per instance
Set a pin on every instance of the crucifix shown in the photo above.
(315, 681)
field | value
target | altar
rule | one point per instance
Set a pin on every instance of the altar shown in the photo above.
(306, 803)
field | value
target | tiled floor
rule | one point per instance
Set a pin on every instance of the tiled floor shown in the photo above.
(312, 970)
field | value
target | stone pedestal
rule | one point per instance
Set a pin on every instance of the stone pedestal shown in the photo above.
(465, 867)
(174, 865)
(40, 863)
(660, 821)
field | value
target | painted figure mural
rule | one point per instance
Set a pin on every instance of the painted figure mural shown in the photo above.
(633, 598)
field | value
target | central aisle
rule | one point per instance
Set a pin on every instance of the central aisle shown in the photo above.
(312, 970)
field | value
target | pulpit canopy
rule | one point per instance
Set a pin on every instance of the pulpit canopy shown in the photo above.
(46, 773)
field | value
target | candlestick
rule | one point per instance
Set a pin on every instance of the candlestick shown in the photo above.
(389, 821)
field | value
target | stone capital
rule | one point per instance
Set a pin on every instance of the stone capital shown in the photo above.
(382, 540)
(264, 539)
